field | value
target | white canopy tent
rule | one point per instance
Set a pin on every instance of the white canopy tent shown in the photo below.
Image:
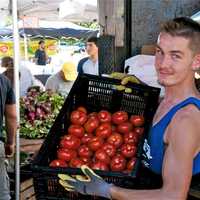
(70, 10)
(79, 10)
(4, 12)
(43, 9)
(52, 10)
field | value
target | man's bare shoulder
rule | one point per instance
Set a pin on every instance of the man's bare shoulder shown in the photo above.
(185, 127)
(190, 113)
(188, 116)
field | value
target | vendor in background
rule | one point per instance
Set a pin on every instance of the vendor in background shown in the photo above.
(90, 65)
(41, 57)
(26, 79)
(7, 145)
(173, 147)
(62, 81)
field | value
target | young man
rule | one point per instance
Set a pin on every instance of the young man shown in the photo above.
(90, 65)
(62, 81)
(7, 109)
(40, 54)
(174, 140)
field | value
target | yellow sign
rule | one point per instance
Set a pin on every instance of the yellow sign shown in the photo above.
(50, 45)
(6, 48)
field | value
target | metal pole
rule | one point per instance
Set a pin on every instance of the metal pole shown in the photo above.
(16, 78)
(25, 47)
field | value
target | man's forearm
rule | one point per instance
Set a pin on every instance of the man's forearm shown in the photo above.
(118, 193)
(11, 128)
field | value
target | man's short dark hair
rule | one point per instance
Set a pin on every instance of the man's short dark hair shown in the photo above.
(7, 62)
(93, 39)
(41, 41)
(184, 27)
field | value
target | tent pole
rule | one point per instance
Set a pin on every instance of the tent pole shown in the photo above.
(25, 47)
(16, 78)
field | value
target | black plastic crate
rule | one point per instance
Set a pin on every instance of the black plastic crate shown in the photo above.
(95, 93)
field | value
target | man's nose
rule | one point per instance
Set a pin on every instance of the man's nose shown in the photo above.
(165, 62)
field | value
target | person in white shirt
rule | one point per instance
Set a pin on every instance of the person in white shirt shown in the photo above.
(62, 81)
(90, 65)
(26, 79)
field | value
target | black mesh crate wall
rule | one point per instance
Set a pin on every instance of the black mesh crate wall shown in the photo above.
(106, 55)
(95, 93)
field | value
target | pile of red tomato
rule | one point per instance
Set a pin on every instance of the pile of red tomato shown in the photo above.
(102, 140)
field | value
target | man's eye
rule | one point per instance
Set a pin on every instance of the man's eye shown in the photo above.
(175, 56)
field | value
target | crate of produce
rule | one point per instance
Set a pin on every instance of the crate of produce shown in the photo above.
(94, 94)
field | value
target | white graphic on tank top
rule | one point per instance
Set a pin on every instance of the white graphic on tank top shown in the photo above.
(146, 153)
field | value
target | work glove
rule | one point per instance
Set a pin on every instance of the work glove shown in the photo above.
(92, 184)
(125, 79)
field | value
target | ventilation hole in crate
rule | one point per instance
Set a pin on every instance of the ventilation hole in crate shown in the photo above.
(137, 107)
(52, 185)
(101, 95)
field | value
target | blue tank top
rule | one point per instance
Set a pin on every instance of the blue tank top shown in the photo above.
(155, 141)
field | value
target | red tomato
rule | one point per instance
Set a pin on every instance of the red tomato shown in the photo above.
(102, 156)
(87, 161)
(95, 143)
(82, 109)
(78, 117)
(124, 127)
(118, 163)
(76, 130)
(86, 138)
(104, 130)
(84, 151)
(109, 149)
(104, 116)
(119, 117)
(131, 137)
(76, 162)
(137, 120)
(66, 154)
(139, 131)
(91, 125)
(98, 165)
(131, 163)
(116, 139)
(128, 150)
(58, 163)
(70, 142)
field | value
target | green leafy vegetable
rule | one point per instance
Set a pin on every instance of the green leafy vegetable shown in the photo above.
(38, 111)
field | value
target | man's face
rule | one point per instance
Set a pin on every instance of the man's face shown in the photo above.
(42, 45)
(173, 60)
(91, 48)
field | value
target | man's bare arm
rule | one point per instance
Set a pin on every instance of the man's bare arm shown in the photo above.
(182, 147)
(11, 127)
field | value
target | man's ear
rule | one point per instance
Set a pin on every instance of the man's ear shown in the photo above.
(196, 62)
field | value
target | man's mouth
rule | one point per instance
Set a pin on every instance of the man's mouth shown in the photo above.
(164, 73)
